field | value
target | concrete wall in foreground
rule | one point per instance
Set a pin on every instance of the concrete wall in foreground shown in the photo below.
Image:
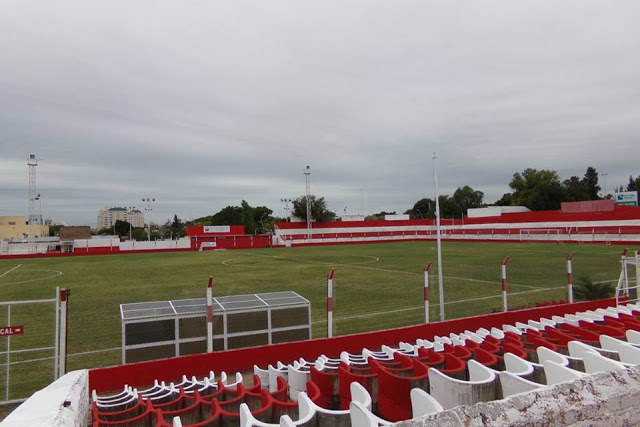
(47, 408)
(608, 398)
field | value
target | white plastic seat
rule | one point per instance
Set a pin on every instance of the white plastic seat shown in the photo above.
(628, 353)
(126, 392)
(511, 328)
(577, 348)
(633, 337)
(513, 384)
(152, 392)
(124, 402)
(176, 422)
(297, 381)
(263, 374)
(595, 362)
(568, 361)
(422, 403)
(520, 367)
(560, 320)
(353, 361)
(557, 373)
(473, 336)
(442, 340)
(451, 392)
(363, 417)
(497, 333)
(233, 385)
(328, 417)
(593, 316)
(535, 325)
(483, 332)
(424, 343)
(547, 322)
(366, 353)
(279, 370)
(306, 415)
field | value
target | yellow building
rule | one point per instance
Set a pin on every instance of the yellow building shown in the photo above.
(16, 227)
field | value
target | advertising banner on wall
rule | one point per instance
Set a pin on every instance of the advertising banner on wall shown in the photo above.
(628, 198)
(217, 229)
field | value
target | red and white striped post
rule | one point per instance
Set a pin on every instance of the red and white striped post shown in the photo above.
(426, 293)
(210, 315)
(504, 283)
(330, 303)
(570, 278)
(62, 346)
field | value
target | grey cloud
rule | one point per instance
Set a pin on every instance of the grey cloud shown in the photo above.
(204, 104)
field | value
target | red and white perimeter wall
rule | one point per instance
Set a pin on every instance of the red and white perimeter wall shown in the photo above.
(619, 226)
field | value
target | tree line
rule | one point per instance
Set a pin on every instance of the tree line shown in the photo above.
(536, 189)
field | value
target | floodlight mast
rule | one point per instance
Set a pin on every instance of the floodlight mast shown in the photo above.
(32, 162)
(307, 174)
(438, 240)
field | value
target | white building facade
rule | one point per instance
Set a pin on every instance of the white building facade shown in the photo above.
(108, 216)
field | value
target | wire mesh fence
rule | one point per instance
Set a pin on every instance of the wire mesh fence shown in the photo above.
(28, 347)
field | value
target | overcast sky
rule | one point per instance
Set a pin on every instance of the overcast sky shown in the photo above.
(201, 104)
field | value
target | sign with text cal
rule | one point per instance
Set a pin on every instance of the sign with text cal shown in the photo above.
(6, 331)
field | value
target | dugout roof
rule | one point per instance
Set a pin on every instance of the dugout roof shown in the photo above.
(155, 309)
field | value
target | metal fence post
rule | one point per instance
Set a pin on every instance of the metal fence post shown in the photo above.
(504, 283)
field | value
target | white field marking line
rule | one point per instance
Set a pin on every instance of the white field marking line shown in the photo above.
(373, 259)
(386, 270)
(104, 350)
(226, 262)
(57, 273)
(432, 305)
(7, 272)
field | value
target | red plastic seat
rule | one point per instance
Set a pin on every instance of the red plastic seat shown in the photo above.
(328, 386)
(394, 391)
(346, 376)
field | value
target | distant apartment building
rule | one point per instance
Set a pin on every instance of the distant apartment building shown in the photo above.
(107, 217)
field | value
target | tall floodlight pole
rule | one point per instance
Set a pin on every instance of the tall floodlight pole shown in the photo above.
(307, 174)
(439, 243)
(32, 162)
(148, 201)
(604, 177)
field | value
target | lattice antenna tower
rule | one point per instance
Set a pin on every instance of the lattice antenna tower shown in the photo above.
(32, 162)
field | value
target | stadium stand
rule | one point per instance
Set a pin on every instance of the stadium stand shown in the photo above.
(394, 383)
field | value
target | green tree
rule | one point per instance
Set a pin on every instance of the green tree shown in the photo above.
(139, 234)
(634, 184)
(422, 209)
(122, 228)
(54, 230)
(505, 200)
(576, 189)
(319, 210)
(379, 216)
(463, 199)
(590, 181)
(231, 215)
(537, 189)
(177, 227)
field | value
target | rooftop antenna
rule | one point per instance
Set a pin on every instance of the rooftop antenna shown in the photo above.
(32, 162)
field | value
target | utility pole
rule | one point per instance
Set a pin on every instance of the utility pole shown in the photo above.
(307, 174)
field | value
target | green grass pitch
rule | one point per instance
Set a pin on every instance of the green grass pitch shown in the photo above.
(376, 286)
